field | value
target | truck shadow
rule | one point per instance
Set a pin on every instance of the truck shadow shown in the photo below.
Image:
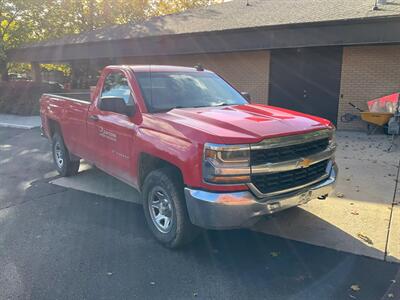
(26, 169)
(108, 232)
(295, 224)
(48, 230)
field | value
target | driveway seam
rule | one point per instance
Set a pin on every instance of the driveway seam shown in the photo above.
(33, 199)
(17, 135)
(391, 212)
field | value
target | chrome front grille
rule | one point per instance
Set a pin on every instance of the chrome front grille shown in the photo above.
(263, 156)
(282, 181)
(285, 164)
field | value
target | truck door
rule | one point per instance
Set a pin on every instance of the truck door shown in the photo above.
(111, 134)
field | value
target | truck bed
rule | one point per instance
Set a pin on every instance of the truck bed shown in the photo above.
(80, 96)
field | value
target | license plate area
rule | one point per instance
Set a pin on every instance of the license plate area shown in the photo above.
(305, 197)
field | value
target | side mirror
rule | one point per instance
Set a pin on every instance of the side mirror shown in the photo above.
(246, 95)
(117, 105)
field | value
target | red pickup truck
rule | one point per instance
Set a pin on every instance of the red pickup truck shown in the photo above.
(198, 152)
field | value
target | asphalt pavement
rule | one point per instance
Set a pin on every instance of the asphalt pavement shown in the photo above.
(58, 243)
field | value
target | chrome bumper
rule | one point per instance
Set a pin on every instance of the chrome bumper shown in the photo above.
(241, 209)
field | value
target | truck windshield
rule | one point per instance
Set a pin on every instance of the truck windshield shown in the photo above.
(163, 91)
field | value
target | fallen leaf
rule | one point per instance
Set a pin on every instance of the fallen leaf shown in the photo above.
(339, 195)
(393, 281)
(195, 294)
(109, 273)
(355, 287)
(353, 212)
(300, 278)
(352, 297)
(390, 295)
(274, 254)
(365, 238)
(152, 283)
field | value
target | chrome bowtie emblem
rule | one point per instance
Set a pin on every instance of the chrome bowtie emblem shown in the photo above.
(304, 163)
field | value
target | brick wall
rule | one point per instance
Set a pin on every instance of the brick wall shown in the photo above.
(368, 72)
(247, 71)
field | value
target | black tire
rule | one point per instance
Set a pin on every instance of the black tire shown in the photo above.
(168, 182)
(61, 157)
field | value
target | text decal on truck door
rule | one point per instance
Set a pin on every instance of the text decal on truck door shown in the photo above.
(107, 134)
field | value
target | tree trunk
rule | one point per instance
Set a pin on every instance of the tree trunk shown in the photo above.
(3, 71)
(36, 72)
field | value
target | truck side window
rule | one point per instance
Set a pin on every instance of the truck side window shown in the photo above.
(116, 84)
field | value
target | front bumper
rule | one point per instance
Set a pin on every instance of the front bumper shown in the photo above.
(241, 209)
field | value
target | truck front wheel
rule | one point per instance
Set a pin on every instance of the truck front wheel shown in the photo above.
(165, 208)
(64, 165)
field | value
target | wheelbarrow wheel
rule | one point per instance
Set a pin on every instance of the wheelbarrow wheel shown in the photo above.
(368, 129)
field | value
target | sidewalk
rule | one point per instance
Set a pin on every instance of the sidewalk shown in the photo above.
(23, 122)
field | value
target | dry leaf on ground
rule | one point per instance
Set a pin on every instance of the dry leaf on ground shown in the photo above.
(355, 287)
(365, 238)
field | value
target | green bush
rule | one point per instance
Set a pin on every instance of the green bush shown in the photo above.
(22, 97)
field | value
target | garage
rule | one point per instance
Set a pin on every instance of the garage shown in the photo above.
(307, 80)
(315, 59)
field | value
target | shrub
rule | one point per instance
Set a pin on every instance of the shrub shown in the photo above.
(22, 97)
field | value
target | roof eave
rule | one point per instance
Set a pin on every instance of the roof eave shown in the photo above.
(360, 31)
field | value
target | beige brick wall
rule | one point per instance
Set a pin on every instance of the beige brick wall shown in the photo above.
(247, 71)
(368, 72)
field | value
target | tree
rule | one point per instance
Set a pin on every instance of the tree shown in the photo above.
(165, 7)
(25, 21)
(14, 32)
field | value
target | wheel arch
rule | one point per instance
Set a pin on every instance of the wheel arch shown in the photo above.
(53, 127)
(148, 163)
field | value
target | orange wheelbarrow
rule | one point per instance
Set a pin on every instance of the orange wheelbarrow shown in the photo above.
(375, 120)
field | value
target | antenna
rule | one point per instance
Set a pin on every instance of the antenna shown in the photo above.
(199, 67)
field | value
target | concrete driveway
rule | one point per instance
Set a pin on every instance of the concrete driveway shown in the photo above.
(362, 217)
(61, 243)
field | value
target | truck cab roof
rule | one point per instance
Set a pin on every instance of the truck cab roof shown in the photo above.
(165, 68)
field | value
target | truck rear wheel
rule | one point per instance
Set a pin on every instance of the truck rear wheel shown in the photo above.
(165, 208)
(62, 160)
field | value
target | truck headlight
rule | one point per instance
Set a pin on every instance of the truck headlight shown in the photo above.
(226, 164)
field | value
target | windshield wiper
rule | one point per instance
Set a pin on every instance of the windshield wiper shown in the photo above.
(169, 109)
(194, 106)
(222, 104)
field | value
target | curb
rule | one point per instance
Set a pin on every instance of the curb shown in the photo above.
(10, 125)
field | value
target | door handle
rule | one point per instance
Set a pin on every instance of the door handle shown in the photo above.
(94, 117)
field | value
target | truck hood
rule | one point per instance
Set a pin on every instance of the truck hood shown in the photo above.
(239, 123)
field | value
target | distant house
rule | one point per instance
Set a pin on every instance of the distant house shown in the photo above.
(313, 56)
